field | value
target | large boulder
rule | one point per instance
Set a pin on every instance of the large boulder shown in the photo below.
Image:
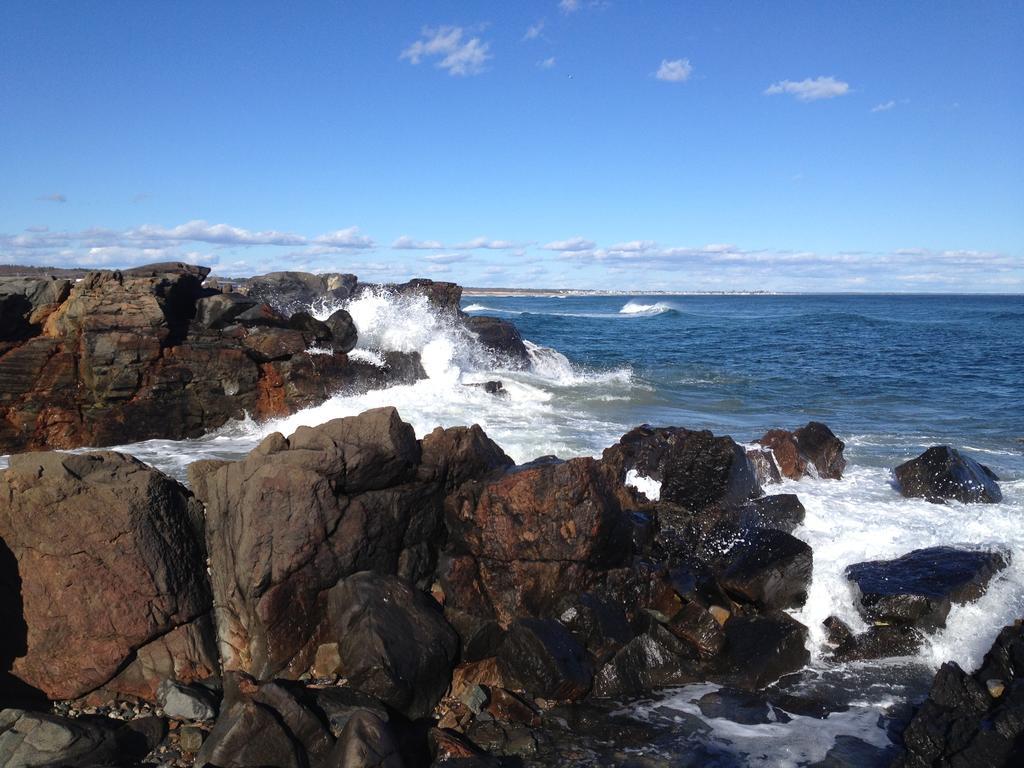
(343, 331)
(499, 336)
(112, 566)
(26, 302)
(30, 739)
(769, 568)
(520, 543)
(972, 719)
(697, 470)
(919, 588)
(290, 292)
(942, 473)
(288, 522)
(393, 641)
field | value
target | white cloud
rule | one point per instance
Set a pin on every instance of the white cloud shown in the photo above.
(633, 246)
(453, 53)
(675, 71)
(810, 90)
(569, 6)
(572, 244)
(447, 258)
(200, 231)
(438, 269)
(534, 30)
(483, 242)
(885, 106)
(56, 197)
(345, 238)
(547, 63)
(406, 243)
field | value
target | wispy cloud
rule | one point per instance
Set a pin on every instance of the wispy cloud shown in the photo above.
(533, 31)
(547, 63)
(452, 52)
(345, 238)
(810, 89)
(569, 6)
(885, 106)
(675, 71)
(483, 242)
(406, 243)
(447, 258)
(222, 234)
(56, 197)
(572, 244)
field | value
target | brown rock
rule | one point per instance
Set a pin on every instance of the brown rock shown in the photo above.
(111, 562)
(783, 446)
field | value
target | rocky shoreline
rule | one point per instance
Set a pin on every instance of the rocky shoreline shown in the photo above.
(351, 595)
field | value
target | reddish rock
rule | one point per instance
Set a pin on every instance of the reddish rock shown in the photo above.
(112, 568)
(297, 515)
(784, 447)
(535, 535)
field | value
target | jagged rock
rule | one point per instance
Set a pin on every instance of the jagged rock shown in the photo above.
(762, 648)
(250, 735)
(297, 515)
(290, 292)
(262, 316)
(781, 511)
(266, 344)
(697, 470)
(221, 309)
(499, 336)
(765, 468)
(653, 659)
(339, 704)
(521, 542)
(698, 626)
(26, 302)
(942, 473)
(545, 659)
(110, 557)
(29, 739)
(822, 448)
(962, 722)
(315, 331)
(769, 568)
(366, 742)
(343, 331)
(919, 587)
(600, 624)
(393, 641)
(811, 445)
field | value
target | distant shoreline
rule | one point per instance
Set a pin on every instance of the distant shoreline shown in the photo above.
(554, 293)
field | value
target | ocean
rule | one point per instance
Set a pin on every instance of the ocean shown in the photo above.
(891, 375)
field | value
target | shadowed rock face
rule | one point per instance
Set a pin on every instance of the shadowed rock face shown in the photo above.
(290, 292)
(500, 336)
(285, 524)
(112, 569)
(919, 588)
(943, 473)
(972, 719)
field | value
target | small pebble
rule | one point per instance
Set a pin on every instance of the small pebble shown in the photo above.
(995, 687)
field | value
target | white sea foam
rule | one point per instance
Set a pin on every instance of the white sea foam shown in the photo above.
(648, 486)
(638, 308)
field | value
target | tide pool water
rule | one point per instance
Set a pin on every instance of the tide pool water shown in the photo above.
(891, 375)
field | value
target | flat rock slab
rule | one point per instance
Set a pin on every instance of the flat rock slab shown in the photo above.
(918, 588)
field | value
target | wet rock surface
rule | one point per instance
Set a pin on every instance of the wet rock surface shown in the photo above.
(919, 588)
(972, 719)
(942, 473)
(811, 447)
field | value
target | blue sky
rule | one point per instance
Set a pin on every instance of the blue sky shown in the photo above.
(640, 145)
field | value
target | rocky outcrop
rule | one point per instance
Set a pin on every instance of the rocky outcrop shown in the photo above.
(942, 473)
(290, 292)
(811, 446)
(29, 739)
(972, 719)
(919, 588)
(286, 524)
(149, 353)
(111, 564)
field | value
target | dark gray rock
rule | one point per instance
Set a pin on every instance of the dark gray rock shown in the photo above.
(782, 511)
(367, 742)
(762, 648)
(31, 739)
(499, 336)
(769, 568)
(290, 292)
(344, 334)
(918, 588)
(221, 309)
(393, 641)
(186, 702)
(544, 657)
(943, 473)
(250, 735)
